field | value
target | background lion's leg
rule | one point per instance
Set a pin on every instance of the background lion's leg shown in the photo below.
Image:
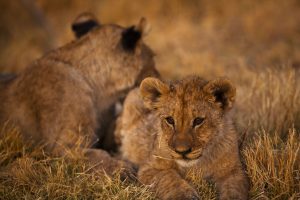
(71, 132)
(100, 160)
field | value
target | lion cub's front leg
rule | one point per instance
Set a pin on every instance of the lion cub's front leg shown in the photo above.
(167, 183)
(232, 185)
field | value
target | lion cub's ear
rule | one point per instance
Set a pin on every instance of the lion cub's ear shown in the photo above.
(84, 23)
(222, 92)
(151, 90)
(132, 35)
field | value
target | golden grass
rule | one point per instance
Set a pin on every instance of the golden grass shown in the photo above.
(28, 173)
(271, 101)
(273, 166)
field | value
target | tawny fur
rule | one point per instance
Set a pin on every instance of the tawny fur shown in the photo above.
(149, 140)
(62, 96)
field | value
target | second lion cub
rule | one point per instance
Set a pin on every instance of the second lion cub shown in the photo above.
(168, 128)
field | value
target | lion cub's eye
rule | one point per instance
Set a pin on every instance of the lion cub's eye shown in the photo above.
(170, 121)
(197, 121)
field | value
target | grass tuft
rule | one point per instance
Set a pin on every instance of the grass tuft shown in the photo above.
(28, 173)
(274, 165)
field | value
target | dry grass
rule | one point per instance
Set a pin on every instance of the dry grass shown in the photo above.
(254, 43)
(270, 102)
(28, 173)
(273, 166)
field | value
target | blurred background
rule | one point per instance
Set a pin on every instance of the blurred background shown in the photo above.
(256, 43)
(194, 36)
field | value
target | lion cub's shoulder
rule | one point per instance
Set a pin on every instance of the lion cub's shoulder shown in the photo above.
(135, 132)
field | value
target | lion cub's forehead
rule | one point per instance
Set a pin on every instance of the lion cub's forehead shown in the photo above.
(186, 96)
(188, 88)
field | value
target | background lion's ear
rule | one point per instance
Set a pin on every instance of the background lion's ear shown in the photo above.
(143, 26)
(83, 24)
(222, 92)
(151, 90)
(132, 35)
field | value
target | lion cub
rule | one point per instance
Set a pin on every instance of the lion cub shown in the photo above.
(67, 94)
(168, 128)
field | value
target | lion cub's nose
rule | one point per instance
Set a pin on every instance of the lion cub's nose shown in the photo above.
(182, 149)
(182, 145)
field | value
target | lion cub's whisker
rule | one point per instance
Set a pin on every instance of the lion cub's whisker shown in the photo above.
(156, 156)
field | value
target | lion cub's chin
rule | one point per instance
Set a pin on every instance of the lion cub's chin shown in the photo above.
(186, 163)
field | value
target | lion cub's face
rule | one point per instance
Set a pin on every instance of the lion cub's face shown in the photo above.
(191, 112)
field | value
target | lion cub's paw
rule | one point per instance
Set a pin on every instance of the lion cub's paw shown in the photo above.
(189, 195)
(128, 171)
(184, 194)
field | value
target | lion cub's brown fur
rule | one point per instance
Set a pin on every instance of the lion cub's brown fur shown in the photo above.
(167, 129)
(63, 95)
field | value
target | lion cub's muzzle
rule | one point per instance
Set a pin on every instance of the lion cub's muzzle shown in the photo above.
(183, 149)
(188, 155)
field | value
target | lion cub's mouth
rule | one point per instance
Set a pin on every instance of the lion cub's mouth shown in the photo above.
(188, 157)
(191, 157)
